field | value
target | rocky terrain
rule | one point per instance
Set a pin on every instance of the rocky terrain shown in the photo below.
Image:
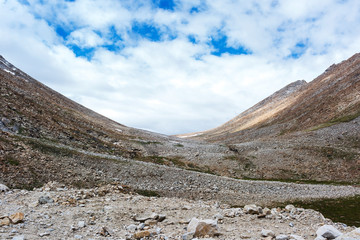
(46, 137)
(114, 212)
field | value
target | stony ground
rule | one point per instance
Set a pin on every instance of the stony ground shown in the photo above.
(112, 212)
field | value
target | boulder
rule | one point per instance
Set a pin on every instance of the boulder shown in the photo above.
(290, 208)
(142, 234)
(353, 235)
(3, 188)
(17, 217)
(267, 233)
(45, 199)
(282, 237)
(328, 232)
(296, 237)
(252, 209)
(5, 221)
(201, 228)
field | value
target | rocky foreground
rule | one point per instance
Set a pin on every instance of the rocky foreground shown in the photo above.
(113, 212)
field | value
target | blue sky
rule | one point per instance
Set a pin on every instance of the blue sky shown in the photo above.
(176, 66)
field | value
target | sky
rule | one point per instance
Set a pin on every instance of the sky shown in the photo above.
(176, 66)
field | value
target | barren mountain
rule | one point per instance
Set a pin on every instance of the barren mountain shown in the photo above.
(301, 131)
(45, 137)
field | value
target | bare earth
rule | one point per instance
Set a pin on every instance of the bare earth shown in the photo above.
(82, 214)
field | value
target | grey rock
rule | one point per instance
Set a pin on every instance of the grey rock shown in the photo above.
(218, 216)
(21, 237)
(141, 226)
(353, 235)
(3, 188)
(328, 232)
(45, 199)
(81, 224)
(282, 237)
(296, 237)
(267, 233)
(252, 209)
(44, 234)
(131, 228)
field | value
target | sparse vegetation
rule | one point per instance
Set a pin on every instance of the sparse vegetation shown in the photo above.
(147, 193)
(50, 149)
(178, 145)
(332, 122)
(12, 161)
(345, 210)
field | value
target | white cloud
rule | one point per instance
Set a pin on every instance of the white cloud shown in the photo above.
(175, 86)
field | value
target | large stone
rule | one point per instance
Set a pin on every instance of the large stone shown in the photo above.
(290, 208)
(328, 232)
(201, 228)
(353, 235)
(20, 237)
(282, 237)
(267, 233)
(45, 199)
(3, 188)
(296, 237)
(142, 234)
(153, 216)
(252, 209)
(192, 225)
(5, 221)
(232, 212)
(17, 217)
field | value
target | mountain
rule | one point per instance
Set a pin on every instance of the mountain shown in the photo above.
(331, 98)
(302, 130)
(45, 136)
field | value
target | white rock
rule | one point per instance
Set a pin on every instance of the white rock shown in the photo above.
(3, 188)
(81, 224)
(328, 232)
(282, 237)
(199, 227)
(252, 209)
(192, 225)
(131, 228)
(232, 212)
(218, 216)
(296, 237)
(290, 208)
(267, 233)
(21, 237)
(353, 235)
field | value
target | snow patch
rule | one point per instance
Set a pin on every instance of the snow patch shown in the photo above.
(187, 136)
(9, 71)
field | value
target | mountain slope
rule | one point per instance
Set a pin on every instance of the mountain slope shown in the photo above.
(44, 137)
(302, 131)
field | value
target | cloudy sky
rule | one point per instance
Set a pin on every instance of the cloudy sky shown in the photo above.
(176, 66)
